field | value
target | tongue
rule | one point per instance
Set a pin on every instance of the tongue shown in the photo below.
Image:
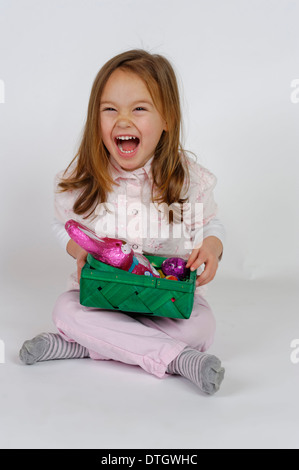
(129, 145)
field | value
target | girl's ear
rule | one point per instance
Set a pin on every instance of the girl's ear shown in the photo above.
(165, 126)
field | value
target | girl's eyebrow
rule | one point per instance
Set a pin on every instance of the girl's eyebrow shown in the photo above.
(143, 101)
(133, 104)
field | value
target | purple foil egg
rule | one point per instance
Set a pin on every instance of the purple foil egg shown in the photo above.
(175, 267)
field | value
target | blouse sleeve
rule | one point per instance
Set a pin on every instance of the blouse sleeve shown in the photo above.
(205, 194)
(202, 207)
(63, 211)
(63, 202)
(60, 233)
(215, 228)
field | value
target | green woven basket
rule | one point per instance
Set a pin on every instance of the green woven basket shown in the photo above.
(109, 288)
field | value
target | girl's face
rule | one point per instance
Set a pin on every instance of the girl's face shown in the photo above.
(131, 125)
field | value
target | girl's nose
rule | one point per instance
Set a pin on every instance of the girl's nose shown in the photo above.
(124, 121)
(123, 124)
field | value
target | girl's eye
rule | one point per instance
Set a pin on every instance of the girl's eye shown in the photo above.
(108, 109)
(140, 108)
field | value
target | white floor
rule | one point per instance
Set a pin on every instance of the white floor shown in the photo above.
(107, 405)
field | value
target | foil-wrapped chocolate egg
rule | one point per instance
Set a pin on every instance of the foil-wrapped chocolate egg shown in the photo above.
(175, 267)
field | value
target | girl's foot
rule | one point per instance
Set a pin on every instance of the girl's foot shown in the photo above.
(204, 370)
(48, 346)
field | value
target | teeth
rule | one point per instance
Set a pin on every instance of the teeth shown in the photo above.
(125, 137)
(125, 151)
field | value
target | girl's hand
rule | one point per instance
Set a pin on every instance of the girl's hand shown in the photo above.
(79, 254)
(208, 254)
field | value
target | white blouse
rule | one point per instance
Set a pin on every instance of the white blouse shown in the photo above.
(130, 215)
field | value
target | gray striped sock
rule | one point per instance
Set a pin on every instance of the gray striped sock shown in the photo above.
(48, 346)
(204, 370)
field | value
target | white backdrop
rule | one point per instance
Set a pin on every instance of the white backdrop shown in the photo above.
(235, 60)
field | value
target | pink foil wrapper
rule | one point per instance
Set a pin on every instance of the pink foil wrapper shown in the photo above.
(112, 251)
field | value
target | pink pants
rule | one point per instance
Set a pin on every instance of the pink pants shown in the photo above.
(149, 342)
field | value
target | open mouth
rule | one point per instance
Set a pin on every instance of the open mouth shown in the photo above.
(127, 144)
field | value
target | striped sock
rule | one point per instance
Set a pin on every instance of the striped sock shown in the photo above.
(204, 370)
(48, 346)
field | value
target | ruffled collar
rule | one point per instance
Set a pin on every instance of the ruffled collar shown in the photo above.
(140, 174)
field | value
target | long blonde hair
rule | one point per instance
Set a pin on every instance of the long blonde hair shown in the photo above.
(169, 169)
